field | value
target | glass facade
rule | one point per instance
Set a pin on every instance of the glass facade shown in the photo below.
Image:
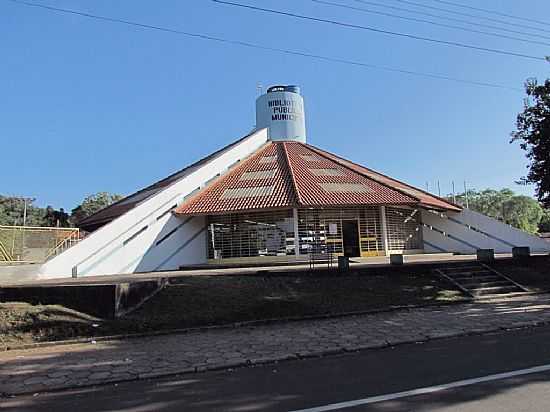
(269, 233)
(350, 231)
(324, 227)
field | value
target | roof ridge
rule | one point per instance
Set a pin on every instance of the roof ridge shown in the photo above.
(299, 199)
(223, 177)
(337, 160)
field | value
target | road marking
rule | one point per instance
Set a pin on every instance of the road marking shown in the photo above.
(426, 390)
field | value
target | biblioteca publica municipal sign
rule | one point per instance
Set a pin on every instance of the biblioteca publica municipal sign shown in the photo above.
(283, 109)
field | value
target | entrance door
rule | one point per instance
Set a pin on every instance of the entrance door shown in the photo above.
(350, 232)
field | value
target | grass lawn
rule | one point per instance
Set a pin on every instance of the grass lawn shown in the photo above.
(215, 300)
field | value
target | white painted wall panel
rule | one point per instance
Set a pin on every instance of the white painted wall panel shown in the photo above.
(503, 231)
(468, 231)
(195, 247)
(434, 242)
(104, 252)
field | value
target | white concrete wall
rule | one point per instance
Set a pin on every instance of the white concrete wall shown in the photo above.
(467, 231)
(110, 249)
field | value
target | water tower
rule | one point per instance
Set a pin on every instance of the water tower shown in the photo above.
(281, 111)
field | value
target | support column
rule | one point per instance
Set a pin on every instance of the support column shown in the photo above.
(384, 227)
(296, 233)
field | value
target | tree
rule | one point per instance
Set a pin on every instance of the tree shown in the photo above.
(521, 212)
(12, 210)
(488, 201)
(533, 134)
(544, 225)
(93, 204)
(56, 218)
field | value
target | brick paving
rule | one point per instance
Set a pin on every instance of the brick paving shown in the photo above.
(56, 367)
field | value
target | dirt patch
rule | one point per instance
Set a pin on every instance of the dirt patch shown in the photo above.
(23, 323)
(192, 301)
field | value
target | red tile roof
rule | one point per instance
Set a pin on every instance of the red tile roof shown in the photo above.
(425, 198)
(232, 192)
(293, 174)
(355, 188)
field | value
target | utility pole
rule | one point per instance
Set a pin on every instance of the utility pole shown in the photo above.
(466, 195)
(24, 211)
(454, 196)
(25, 200)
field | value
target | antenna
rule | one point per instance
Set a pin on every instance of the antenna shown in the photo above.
(259, 88)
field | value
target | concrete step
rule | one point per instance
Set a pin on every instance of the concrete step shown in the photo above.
(497, 290)
(487, 278)
(462, 268)
(478, 284)
(469, 274)
(499, 296)
(480, 281)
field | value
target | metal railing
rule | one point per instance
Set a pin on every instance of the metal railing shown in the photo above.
(25, 244)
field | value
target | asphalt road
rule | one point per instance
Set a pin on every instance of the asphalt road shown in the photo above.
(314, 383)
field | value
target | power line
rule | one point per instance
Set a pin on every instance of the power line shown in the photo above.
(414, 3)
(438, 16)
(373, 29)
(381, 13)
(265, 48)
(498, 13)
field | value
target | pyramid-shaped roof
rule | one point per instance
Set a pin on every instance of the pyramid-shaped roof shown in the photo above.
(287, 174)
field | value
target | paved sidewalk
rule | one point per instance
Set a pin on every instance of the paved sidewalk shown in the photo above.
(65, 366)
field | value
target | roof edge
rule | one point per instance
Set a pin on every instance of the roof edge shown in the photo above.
(89, 220)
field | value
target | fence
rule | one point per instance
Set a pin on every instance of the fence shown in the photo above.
(24, 244)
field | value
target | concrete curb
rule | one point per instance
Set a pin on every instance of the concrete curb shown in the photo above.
(275, 359)
(244, 324)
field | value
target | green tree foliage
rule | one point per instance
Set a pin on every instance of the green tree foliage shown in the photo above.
(533, 135)
(544, 225)
(93, 204)
(12, 211)
(56, 218)
(521, 212)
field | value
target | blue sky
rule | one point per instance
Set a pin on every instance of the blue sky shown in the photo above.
(88, 106)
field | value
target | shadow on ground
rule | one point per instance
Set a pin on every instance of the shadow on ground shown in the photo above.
(315, 382)
(194, 301)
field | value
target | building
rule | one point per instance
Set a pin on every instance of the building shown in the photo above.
(271, 196)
